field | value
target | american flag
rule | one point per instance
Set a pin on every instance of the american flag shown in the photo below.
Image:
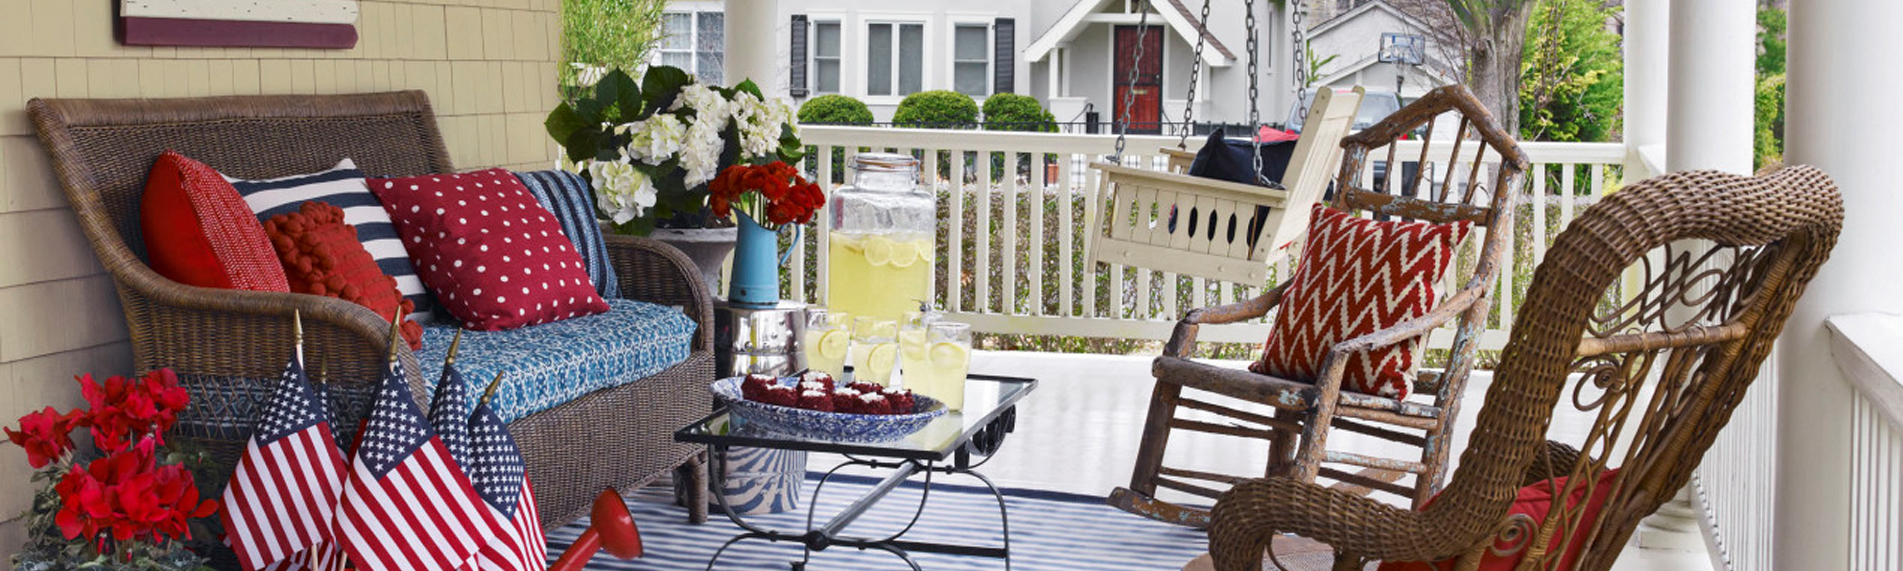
(408, 505)
(449, 414)
(497, 471)
(279, 500)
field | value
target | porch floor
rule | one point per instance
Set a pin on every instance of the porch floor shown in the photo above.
(1078, 433)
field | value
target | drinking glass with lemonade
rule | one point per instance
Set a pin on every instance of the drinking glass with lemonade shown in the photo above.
(875, 349)
(940, 368)
(828, 338)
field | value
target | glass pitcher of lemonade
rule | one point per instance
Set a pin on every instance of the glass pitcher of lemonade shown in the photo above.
(879, 263)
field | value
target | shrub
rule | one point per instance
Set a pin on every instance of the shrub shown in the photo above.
(937, 110)
(1015, 112)
(835, 110)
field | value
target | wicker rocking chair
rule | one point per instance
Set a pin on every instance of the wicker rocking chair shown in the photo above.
(1304, 411)
(1718, 261)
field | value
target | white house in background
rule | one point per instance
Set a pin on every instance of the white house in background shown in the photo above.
(1056, 50)
(1360, 32)
(1074, 55)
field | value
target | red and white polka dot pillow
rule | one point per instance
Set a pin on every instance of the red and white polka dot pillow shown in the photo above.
(494, 257)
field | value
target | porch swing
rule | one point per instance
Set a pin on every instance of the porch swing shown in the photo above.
(1210, 228)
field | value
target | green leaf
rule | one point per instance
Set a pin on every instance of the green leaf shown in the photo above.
(618, 91)
(749, 87)
(662, 84)
(582, 144)
(562, 122)
(590, 111)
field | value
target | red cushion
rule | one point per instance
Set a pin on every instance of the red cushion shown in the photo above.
(1534, 502)
(322, 256)
(494, 257)
(199, 232)
(1358, 276)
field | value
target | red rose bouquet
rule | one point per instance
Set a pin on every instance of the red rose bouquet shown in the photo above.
(772, 193)
(127, 506)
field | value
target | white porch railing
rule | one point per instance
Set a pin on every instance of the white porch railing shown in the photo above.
(1022, 240)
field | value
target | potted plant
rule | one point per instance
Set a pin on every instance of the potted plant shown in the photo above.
(650, 148)
(128, 505)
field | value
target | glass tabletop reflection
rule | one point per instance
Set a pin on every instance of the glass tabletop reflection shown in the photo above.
(986, 397)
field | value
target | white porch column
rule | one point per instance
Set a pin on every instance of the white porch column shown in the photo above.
(1711, 76)
(1838, 114)
(1647, 55)
(752, 41)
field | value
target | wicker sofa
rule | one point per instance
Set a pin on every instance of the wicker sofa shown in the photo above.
(229, 346)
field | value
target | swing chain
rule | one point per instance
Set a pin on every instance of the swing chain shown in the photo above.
(1299, 35)
(1130, 91)
(1255, 114)
(1195, 76)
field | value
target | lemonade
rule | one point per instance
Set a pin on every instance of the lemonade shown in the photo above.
(875, 350)
(828, 337)
(944, 357)
(878, 275)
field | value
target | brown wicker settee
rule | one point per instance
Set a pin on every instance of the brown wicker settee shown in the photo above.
(229, 346)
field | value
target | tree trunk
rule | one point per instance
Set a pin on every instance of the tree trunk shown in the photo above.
(1495, 75)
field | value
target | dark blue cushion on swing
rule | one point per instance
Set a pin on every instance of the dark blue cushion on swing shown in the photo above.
(1225, 159)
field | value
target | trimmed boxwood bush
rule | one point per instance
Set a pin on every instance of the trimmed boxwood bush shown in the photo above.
(835, 110)
(1016, 112)
(939, 109)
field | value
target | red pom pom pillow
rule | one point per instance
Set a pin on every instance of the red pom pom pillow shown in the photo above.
(322, 256)
(1358, 276)
(494, 257)
(198, 230)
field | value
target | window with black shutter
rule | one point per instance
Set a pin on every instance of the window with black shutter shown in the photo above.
(796, 74)
(1004, 53)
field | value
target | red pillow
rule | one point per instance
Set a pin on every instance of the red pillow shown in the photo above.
(198, 230)
(322, 256)
(1534, 501)
(1358, 276)
(494, 257)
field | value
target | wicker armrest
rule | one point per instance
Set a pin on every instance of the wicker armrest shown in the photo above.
(247, 334)
(1183, 339)
(655, 272)
(1248, 517)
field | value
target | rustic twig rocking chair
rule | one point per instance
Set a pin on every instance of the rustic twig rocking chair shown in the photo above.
(1305, 412)
(1719, 259)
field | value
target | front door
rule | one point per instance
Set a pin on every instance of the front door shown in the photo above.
(1146, 110)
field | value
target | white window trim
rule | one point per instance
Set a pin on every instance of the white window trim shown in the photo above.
(929, 75)
(812, 54)
(693, 12)
(991, 57)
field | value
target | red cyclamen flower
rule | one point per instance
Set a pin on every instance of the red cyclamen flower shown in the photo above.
(46, 435)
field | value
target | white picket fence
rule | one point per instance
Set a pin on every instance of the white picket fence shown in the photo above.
(1026, 274)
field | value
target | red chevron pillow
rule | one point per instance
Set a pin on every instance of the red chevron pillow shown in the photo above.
(1358, 276)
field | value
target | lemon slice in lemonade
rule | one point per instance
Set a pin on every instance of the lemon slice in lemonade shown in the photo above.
(912, 346)
(878, 250)
(833, 344)
(882, 358)
(950, 355)
(925, 249)
(903, 255)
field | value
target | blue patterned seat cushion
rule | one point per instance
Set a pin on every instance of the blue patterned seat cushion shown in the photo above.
(554, 363)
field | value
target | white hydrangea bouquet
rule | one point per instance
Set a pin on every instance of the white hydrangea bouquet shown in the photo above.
(649, 148)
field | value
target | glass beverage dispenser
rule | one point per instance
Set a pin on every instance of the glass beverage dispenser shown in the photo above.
(880, 260)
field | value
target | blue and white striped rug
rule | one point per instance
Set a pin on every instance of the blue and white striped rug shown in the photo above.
(1050, 531)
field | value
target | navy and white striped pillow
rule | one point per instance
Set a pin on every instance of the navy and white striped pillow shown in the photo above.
(343, 186)
(569, 197)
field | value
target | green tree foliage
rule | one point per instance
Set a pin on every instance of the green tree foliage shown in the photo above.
(606, 34)
(1768, 137)
(938, 109)
(1572, 84)
(835, 109)
(1015, 112)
